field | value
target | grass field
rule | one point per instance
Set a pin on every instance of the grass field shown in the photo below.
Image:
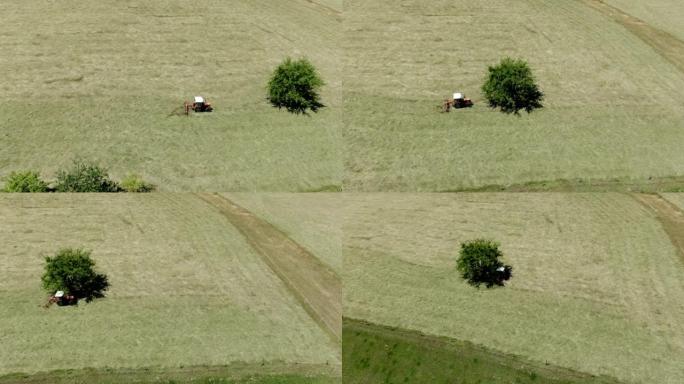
(316, 287)
(312, 221)
(104, 80)
(376, 354)
(664, 14)
(187, 290)
(596, 283)
(613, 107)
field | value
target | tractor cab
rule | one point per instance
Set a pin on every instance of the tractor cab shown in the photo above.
(458, 101)
(61, 299)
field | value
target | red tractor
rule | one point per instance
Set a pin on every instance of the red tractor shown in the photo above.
(457, 102)
(61, 299)
(198, 105)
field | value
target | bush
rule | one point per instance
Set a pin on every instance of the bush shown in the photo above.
(85, 177)
(71, 271)
(134, 183)
(27, 181)
(479, 263)
(511, 87)
(294, 86)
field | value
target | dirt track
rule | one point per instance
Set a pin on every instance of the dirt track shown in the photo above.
(315, 286)
(667, 45)
(669, 215)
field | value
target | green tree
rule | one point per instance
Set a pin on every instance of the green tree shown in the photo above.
(85, 177)
(479, 263)
(510, 86)
(27, 181)
(72, 271)
(294, 86)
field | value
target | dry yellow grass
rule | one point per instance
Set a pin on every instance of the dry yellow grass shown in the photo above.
(311, 220)
(664, 14)
(186, 288)
(613, 105)
(597, 283)
(104, 80)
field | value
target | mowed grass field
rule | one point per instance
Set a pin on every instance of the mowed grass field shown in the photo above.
(186, 291)
(106, 81)
(612, 111)
(313, 221)
(664, 14)
(596, 284)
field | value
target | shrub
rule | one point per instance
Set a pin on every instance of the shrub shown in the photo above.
(479, 263)
(511, 87)
(85, 177)
(294, 86)
(71, 270)
(134, 183)
(27, 181)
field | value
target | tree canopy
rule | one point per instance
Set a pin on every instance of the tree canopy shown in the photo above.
(294, 86)
(479, 263)
(511, 87)
(72, 271)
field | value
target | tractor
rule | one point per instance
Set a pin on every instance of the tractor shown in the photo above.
(61, 299)
(457, 102)
(198, 105)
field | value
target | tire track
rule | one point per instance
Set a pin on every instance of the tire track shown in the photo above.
(328, 8)
(669, 215)
(317, 288)
(666, 44)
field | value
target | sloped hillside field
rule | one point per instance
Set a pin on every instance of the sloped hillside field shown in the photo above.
(106, 81)
(596, 287)
(612, 111)
(189, 296)
(313, 220)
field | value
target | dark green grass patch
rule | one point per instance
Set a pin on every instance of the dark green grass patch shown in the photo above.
(234, 374)
(379, 354)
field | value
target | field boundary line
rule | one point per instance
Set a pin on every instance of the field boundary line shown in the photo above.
(315, 286)
(670, 216)
(155, 374)
(633, 185)
(664, 43)
(445, 343)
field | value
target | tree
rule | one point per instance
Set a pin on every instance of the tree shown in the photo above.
(294, 86)
(72, 271)
(85, 177)
(511, 87)
(27, 181)
(479, 263)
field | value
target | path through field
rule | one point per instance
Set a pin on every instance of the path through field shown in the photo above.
(666, 44)
(317, 288)
(669, 215)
